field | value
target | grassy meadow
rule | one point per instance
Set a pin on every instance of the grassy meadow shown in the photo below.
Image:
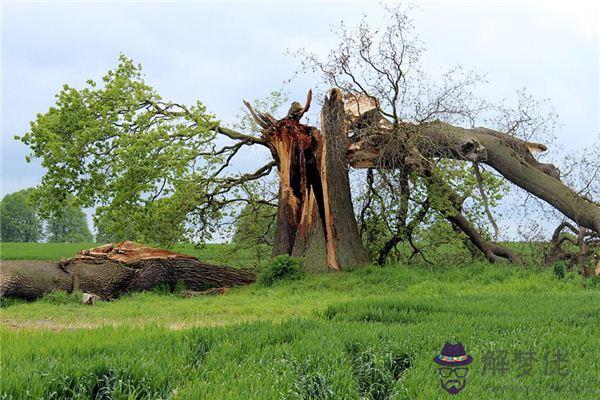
(366, 334)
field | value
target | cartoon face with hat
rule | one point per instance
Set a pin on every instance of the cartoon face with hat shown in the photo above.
(452, 367)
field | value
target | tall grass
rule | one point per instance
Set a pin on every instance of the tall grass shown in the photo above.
(311, 357)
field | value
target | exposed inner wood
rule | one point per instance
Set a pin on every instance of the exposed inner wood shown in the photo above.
(311, 222)
(299, 151)
(332, 262)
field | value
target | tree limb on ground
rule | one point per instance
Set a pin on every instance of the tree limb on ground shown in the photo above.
(112, 270)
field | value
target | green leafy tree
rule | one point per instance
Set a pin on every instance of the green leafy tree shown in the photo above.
(69, 225)
(19, 220)
(161, 221)
(153, 169)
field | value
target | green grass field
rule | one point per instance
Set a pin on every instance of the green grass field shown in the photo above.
(369, 334)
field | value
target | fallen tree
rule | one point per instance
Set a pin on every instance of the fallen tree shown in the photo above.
(379, 143)
(315, 218)
(156, 170)
(110, 271)
(512, 157)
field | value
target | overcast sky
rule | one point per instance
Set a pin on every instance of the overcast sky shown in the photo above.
(223, 52)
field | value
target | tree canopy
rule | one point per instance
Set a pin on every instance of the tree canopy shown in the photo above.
(152, 168)
(23, 221)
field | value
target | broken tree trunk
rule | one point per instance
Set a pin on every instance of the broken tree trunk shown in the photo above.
(315, 217)
(508, 155)
(112, 270)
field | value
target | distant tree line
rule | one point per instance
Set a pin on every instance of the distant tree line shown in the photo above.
(21, 221)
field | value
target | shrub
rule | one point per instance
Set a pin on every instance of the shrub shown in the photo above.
(60, 297)
(560, 269)
(281, 268)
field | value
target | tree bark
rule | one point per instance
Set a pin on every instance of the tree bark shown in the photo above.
(111, 271)
(315, 218)
(29, 280)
